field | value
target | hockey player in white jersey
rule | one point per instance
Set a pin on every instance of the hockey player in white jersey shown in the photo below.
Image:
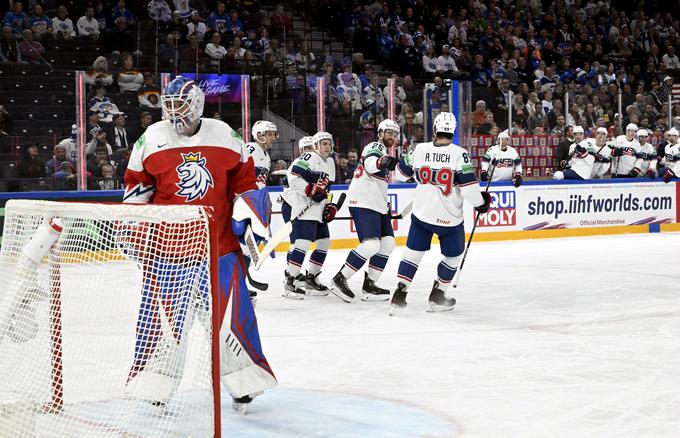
(265, 134)
(671, 159)
(445, 176)
(370, 210)
(580, 164)
(625, 153)
(508, 164)
(647, 155)
(308, 183)
(601, 152)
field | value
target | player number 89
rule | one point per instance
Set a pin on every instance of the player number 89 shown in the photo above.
(442, 178)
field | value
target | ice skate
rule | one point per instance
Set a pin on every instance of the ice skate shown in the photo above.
(291, 289)
(371, 292)
(438, 300)
(240, 404)
(313, 287)
(340, 288)
(398, 299)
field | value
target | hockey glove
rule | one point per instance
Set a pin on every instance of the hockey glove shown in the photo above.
(316, 192)
(617, 152)
(494, 161)
(329, 212)
(484, 175)
(564, 164)
(580, 150)
(517, 179)
(487, 203)
(651, 174)
(634, 173)
(668, 176)
(387, 162)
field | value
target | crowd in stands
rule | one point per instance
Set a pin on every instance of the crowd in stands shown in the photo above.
(543, 65)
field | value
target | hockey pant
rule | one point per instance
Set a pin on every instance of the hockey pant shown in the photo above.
(165, 319)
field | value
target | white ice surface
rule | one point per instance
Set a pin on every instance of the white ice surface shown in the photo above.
(575, 337)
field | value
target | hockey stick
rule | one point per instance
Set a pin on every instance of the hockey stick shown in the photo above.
(456, 277)
(405, 212)
(285, 231)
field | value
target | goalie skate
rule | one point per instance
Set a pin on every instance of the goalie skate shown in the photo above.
(438, 300)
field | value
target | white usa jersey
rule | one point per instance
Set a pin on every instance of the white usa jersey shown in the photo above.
(445, 176)
(648, 158)
(262, 163)
(581, 163)
(627, 155)
(602, 156)
(368, 188)
(507, 165)
(308, 169)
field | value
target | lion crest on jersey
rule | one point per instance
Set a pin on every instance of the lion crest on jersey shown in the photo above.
(194, 177)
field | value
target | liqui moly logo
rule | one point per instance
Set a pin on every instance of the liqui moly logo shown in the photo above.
(502, 212)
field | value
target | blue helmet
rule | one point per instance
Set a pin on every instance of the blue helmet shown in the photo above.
(182, 102)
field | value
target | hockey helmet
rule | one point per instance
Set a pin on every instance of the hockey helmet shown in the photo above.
(319, 137)
(444, 123)
(182, 103)
(631, 127)
(674, 132)
(388, 125)
(261, 127)
(601, 130)
(642, 133)
(578, 129)
(504, 135)
(306, 144)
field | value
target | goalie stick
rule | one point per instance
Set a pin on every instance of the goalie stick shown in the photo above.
(456, 277)
(286, 229)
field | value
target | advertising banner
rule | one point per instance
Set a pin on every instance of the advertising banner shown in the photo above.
(226, 87)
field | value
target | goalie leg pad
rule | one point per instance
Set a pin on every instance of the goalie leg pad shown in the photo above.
(244, 368)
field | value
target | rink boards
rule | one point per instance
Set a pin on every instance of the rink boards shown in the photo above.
(537, 209)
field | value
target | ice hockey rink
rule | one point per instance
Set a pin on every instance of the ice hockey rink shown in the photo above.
(570, 337)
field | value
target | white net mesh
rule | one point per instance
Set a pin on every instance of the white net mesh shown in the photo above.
(110, 333)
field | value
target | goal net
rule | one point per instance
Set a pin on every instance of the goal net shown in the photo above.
(106, 321)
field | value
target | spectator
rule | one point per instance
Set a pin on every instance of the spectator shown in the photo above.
(670, 59)
(562, 152)
(39, 23)
(277, 179)
(100, 158)
(343, 175)
(445, 64)
(192, 54)
(121, 11)
(215, 50)
(129, 79)
(182, 9)
(88, 26)
(535, 114)
(99, 73)
(430, 60)
(145, 120)
(352, 161)
(217, 21)
(479, 114)
(279, 21)
(99, 95)
(16, 19)
(373, 95)
(62, 25)
(167, 50)
(119, 39)
(31, 51)
(253, 43)
(239, 51)
(159, 11)
(234, 25)
(30, 165)
(9, 50)
(119, 134)
(108, 180)
(67, 174)
(54, 165)
(197, 26)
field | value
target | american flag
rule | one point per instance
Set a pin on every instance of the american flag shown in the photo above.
(676, 93)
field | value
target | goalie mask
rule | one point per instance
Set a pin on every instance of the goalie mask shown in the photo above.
(323, 140)
(260, 130)
(182, 103)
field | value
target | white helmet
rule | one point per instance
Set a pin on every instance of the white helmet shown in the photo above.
(631, 127)
(262, 127)
(642, 133)
(386, 125)
(578, 129)
(182, 102)
(504, 135)
(445, 123)
(673, 131)
(306, 144)
(602, 130)
(322, 135)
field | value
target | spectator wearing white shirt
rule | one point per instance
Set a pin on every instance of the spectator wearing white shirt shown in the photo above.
(671, 59)
(195, 25)
(62, 25)
(430, 60)
(372, 94)
(445, 64)
(87, 25)
(129, 78)
(214, 50)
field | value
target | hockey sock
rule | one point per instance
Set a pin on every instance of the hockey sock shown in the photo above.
(297, 256)
(319, 255)
(446, 270)
(409, 265)
(357, 257)
(377, 263)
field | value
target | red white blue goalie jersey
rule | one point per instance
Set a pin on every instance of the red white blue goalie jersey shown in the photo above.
(207, 168)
